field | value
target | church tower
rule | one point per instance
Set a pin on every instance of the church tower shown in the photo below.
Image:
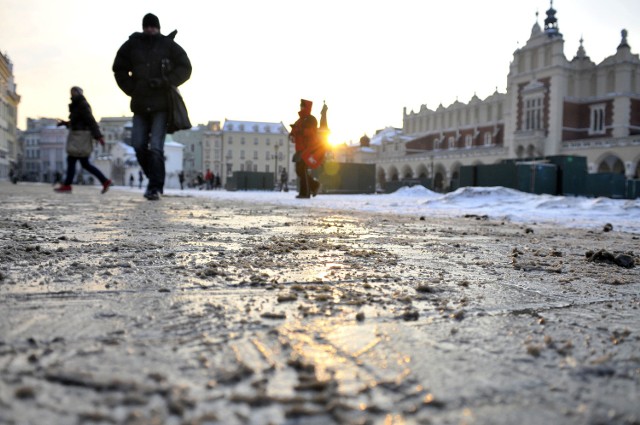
(536, 87)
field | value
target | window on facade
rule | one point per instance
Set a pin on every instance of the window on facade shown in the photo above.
(255, 141)
(533, 113)
(452, 142)
(487, 138)
(242, 140)
(268, 142)
(241, 154)
(230, 141)
(597, 119)
(468, 141)
(241, 127)
(611, 82)
(547, 56)
(437, 143)
(255, 154)
(267, 155)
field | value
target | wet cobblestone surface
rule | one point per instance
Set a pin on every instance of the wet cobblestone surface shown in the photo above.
(115, 310)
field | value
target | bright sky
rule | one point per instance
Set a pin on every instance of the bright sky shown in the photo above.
(254, 59)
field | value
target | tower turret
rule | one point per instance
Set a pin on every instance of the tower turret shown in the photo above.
(551, 23)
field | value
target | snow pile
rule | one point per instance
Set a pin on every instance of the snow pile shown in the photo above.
(496, 202)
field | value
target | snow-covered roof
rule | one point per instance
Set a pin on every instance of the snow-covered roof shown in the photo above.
(389, 134)
(254, 127)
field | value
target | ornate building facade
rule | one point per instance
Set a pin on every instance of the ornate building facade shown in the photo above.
(202, 149)
(255, 146)
(31, 166)
(10, 150)
(552, 106)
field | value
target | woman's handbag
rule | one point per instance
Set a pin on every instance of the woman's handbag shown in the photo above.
(79, 143)
(178, 118)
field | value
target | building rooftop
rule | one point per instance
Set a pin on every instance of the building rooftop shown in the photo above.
(254, 127)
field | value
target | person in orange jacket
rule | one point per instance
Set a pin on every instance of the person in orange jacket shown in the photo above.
(304, 134)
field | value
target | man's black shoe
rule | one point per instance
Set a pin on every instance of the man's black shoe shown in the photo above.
(303, 196)
(315, 186)
(152, 195)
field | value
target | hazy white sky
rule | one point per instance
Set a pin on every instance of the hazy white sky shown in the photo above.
(254, 59)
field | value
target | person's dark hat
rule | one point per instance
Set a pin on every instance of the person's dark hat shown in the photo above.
(150, 20)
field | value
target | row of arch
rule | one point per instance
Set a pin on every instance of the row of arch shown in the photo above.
(441, 179)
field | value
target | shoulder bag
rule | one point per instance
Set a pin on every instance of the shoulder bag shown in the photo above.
(178, 117)
(79, 143)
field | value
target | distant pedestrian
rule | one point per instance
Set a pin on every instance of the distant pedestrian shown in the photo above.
(200, 181)
(208, 178)
(140, 179)
(131, 180)
(284, 177)
(181, 179)
(81, 120)
(13, 176)
(217, 182)
(145, 67)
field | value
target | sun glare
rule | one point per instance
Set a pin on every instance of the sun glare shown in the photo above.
(333, 140)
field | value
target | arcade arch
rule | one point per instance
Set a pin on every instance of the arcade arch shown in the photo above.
(381, 176)
(439, 178)
(610, 163)
(422, 172)
(454, 182)
(393, 174)
(407, 172)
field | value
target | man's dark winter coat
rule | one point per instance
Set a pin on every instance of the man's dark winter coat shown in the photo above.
(138, 70)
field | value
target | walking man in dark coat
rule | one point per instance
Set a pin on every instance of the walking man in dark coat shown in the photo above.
(145, 67)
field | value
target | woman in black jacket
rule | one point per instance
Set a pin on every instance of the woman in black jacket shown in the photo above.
(81, 118)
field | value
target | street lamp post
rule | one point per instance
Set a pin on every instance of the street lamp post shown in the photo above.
(275, 171)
